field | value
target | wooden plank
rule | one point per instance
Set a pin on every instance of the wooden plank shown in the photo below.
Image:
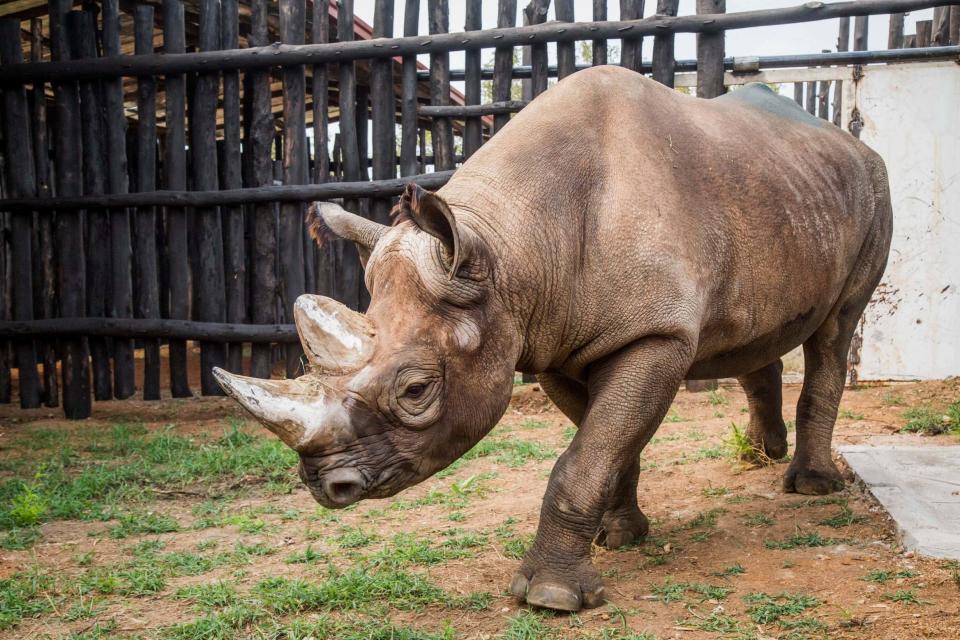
(472, 111)
(209, 297)
(924, 33)
(442, 130)
(664, 63)
(710, 52)
(941, 26)
(823, 97)
(145, 266)
(536, 13)
(384, 112)
(408, 97)
(151, 329)
(599, 45)
(843, 44)
(811, 98)
(473, 128)
(631, 47)
(320, 33)
(351, 279)
(45, 278)
(264, 240)
(74, 355)
(21, 182)
(860, 33)
(798, 93)
(503, 61)
(175, 178)
(281, 55)
(566, 55)
(895, 33)
(235, 271)
(82, 33)
(954, 25)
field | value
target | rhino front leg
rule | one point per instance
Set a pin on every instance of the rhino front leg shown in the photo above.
(630, 392)
(764, 389)
(623, 522)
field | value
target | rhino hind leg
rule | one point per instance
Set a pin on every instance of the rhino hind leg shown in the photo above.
(767, 432)
(623, 523)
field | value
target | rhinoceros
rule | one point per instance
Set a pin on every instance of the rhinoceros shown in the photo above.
(615, 238)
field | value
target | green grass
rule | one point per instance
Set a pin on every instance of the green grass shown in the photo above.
(882, 576)
(850, 414)
(307, 556)
(527, 625)
(714, 492)
(732, 570)
(213, 594)
(717, 398)
(907, 596)
(843, 518)
(767, 609)
(671, 591)
(758, 520)
(456, 497)
(802, 539)
(930, 422)
(24, 595)
(355, 537)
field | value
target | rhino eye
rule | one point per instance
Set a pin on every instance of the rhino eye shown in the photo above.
(415, 390)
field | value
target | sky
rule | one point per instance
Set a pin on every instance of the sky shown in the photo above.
(811, 37)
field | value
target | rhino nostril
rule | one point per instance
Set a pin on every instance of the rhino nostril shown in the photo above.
(343, 486)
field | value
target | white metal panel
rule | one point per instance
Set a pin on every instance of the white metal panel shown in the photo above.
(911, 117)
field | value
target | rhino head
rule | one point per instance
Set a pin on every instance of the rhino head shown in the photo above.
(394, 395)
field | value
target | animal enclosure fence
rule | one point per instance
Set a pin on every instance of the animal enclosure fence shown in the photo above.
(158, 156)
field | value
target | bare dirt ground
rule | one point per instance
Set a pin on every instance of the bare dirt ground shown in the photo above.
(229, 545)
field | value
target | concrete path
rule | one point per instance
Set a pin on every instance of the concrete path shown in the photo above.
(919, 487)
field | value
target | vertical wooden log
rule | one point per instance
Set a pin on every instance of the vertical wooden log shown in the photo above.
(384, 111)
(941, 26)
(710, 52)
(503, 62)
(473, 127)
(536, 13)
(45, 279)
(71, 270)
(599, 46)
(351, 279)
(6, 379)
(954, 25)
(363, 146)
(860, 32)
(631, 52)
(664, 64)
(422, 135)
(439, 22)
(798, 93)
(895, 33)
(21, 183)
(924, 33)
(208, 276)
(320, 32)
(147, 282)
(175, 177)
(811, 98)
(823, 97)
(566, 54)
(234, 255)
(843, 44)
(408, 98)
(264, 242)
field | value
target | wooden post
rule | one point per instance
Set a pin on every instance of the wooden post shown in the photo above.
(860, 32)
(209, 296)
(941, 26)
(408, 98)
(21, 183)
(384, 111)
(895, 34)
(566, 54)
(503, 62)
(811, 105)
(81, 26)
(599, 45)
(473, 127)
(954, 25)
(924, 33)
(631, 52)
(710, 52)
(536, 13)
(843, 44)
(439, 23)
(351, 279)
(292, 31)
(798, 93)
(74, 355)
(147, 282)
(664, 63)
(175, 177)
(45, 272)
(319, 89)
(6, 379)
(823, 97)
(235, 271)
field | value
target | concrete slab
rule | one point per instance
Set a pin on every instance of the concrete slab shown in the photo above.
(920, 489)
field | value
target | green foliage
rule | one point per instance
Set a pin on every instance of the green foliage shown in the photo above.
(882, 576)
(213, 594)
(758, 520)
(527, 625)
(24, 595)
(671, 591)
(801, 539)
(148, 522)
(849, 414)
(355, 537)
(307, 556)
(907, 596)
(929, 422)
(767, 609)
(843, 518)
(732, 570)
(717, 398)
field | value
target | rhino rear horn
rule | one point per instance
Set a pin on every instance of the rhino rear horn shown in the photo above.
(336, 339)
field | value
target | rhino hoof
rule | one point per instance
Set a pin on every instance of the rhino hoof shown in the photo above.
(621, 531)
(811, 482)
(559, 595)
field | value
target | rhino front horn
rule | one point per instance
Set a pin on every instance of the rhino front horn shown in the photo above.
(300, 412)
(336, 339)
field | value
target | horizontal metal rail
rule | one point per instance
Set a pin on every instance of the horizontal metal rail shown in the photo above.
(837, 58)
(284, 55)
(150, 328)
(284, 193)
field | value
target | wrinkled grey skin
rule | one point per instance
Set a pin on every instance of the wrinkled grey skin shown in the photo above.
(615, 238)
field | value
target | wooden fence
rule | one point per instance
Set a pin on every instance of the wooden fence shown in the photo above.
(157, 160)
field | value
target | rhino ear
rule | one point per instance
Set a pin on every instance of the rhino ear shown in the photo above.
(326, 221)
(432, 214)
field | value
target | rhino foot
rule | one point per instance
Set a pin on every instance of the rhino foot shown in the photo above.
(813, 482)
(620, 529)
(550, 590)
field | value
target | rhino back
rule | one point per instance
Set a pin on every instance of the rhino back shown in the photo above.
(620, 208)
